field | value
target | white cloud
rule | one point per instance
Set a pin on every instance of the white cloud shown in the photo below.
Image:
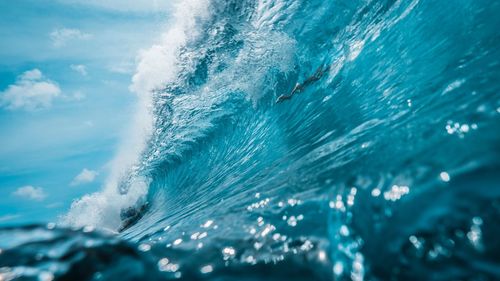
(79, 95)
(34, 74)
(30, 192)
(60, 37)
(85, 176)
(80, 68)
(31, 91)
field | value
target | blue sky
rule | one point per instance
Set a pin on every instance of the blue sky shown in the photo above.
(65, 71)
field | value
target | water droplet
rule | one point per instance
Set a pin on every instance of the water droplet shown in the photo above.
(269, 228)
(292, 202)
(162, 264)
(322, 255)
(144, 247)
(206, 269)
(208, 223)
(338, 268)
(292, 221)
(171, 267)
(228, 252)
(46, 276)
(344, 230)
(464, 128)
(444, 176)
(195, 235)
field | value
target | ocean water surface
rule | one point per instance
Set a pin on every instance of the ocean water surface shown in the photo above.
(380, 161)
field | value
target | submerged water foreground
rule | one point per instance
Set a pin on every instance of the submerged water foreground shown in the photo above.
(385, 168)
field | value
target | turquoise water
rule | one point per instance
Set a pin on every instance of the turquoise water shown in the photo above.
(383, 166)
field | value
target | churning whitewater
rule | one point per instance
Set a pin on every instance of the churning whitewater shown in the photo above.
(297, 140)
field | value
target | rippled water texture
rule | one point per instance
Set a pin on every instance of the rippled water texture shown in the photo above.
(385, 166)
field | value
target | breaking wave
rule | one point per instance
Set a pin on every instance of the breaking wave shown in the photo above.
(297, 140)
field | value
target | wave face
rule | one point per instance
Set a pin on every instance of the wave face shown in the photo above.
(383, 165)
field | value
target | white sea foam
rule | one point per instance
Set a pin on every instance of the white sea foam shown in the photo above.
(156, 66)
